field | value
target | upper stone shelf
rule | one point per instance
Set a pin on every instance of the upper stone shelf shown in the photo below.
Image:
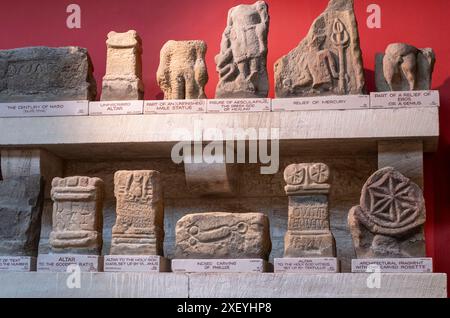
(352, 131)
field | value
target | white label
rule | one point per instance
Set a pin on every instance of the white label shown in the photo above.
(321, 103)
(393, 265)
(175, 106)
(44, 109)
(218, 265)
(130, 263)
(306, 265)
(17, 264)
(239, 105)
(129, 107)
(60, 263)
(404, 99)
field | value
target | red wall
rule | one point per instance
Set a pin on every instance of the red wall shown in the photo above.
(423, 24)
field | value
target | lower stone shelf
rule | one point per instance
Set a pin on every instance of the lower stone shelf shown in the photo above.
(209, 285)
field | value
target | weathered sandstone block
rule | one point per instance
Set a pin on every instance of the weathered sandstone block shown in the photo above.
(182, 72)
(139, 227)
(46, 74)
(309, 233)
(328, 61)
(123, 67)
(242, 61)
(21, 203)
(389, 221)
(77, 215)
(223, 235)
(404, 68)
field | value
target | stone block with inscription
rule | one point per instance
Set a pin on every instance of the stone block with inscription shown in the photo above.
(242, 61)
(328, 61)
(139, 227)
(123, 67)
(218, 235)
(46, 74)
(308, 233)
(21, 203)
(77, 215)
(182, 72)
(404, 68)
(389, 222)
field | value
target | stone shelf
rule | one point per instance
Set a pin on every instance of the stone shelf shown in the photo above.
(147, 136)
(268, 285)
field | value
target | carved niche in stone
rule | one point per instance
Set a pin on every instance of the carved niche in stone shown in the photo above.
(139, 227)
(309, 233)
(77, 215)
(242, 61)
(328, 61)
(223, 235)
(389, 221)
(182, 72)
(404, 68)
(123, 67)
(46, 74)
(21, 202)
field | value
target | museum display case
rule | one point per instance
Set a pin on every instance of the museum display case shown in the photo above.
(304, 176)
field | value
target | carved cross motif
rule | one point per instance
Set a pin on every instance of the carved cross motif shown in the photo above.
(391, 200)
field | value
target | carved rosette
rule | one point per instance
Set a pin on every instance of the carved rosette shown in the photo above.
(391, 204)
(389, 220)
(307, 177)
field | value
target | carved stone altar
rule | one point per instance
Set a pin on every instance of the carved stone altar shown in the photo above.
(123, 67)
(308, 233)
(218, 235)
(46, 74)
(21, 203)
(139, 227)
(404, 68)
(77, 215)
(389, 221)
(328, 61)
(182, 72)
(242, 61)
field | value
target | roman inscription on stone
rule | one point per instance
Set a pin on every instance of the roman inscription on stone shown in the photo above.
(389, 222)
(139, 227)
(123, 67)
(46, 74)
(182, 72)
(218, 235)
(21, 203)
(242, 61)
(308, 233)
(328, 61)
(77, 215)
(404, 67)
